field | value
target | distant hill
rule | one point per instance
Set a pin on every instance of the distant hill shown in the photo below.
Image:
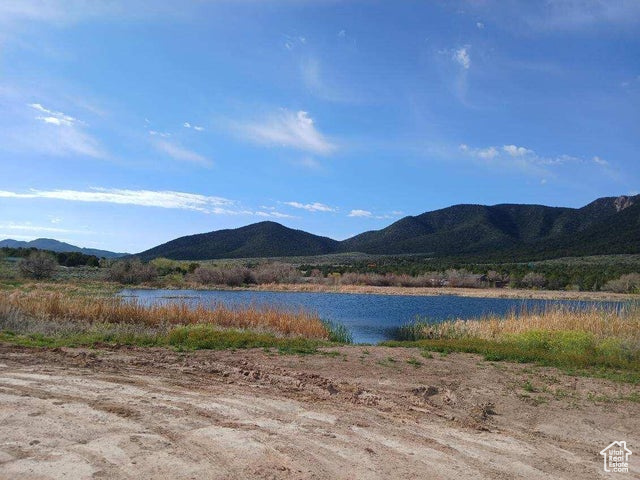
(56, 246)
(473, 229)
(606, 226)
(264, 239)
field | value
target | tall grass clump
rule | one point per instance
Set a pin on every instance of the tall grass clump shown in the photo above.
(560, 335)
(600, 321)
(116, 310)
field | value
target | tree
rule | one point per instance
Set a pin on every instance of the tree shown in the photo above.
(131, 271)
(534, 280)
(38, 265)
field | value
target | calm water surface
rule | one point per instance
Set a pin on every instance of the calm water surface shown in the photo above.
(370, 318)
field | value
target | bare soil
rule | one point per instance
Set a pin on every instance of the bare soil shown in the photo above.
(350, 413)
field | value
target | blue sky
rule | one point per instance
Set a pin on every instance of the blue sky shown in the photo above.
(125, 124)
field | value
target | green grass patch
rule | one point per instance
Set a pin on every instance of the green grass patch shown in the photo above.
(196, 337)
(574, 352)
(205, 337)
(338, 333)
(415, 362)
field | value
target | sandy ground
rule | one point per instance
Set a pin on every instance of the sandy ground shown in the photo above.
(357, 413)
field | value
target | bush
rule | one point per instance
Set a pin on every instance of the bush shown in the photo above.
(131, 272)
(38, 265)
(534, 280)
(463, 278)
(276, 273)
(629, 283)
(207, 276)
(232, 277)
(165, 266)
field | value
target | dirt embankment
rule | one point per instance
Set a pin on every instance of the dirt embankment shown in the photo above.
(359, 412)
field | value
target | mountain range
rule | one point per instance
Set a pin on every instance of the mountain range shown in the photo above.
(607, 225)
(57, 246)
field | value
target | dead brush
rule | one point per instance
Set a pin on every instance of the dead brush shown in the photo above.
(115, 310)
(601, 322)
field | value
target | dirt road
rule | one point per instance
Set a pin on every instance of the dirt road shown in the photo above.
(356, 413)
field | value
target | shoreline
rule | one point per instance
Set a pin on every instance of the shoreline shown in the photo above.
(416, 291)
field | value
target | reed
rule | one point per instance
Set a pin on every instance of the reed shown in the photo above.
(599, 321)
(597, 341)
(54, 306)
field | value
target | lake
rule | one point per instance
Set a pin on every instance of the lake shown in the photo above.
(370, 318)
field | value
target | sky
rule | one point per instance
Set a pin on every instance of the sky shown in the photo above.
(125, 124)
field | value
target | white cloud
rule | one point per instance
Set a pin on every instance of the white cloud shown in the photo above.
(288, 129)
(360, 213)
(54, 140)
(49, 132)
(480, 25)
(516, 151)
(488, 153)
(147, 198)
(195, 127)
(524, 159)
(54, 118)
(461, 55)
(273, 214)
(291, 42)
(155, 133)
(311, 207)
(180, 153)
(36, 228)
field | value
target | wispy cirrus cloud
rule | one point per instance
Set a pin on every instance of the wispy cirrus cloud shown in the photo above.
(273, 214)
(63, 12)
(312, 207)
(577, 14)
(308, 163)
(527, 160)
(558, 15)
(323, 84)
(456, 68)
(178, 152)
(287, 129)
(144, 198)
(147, 198)
(52, 117)
(28, 227)
(36, 128)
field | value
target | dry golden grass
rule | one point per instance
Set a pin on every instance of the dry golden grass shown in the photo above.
(56, 306)
(601, 322)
